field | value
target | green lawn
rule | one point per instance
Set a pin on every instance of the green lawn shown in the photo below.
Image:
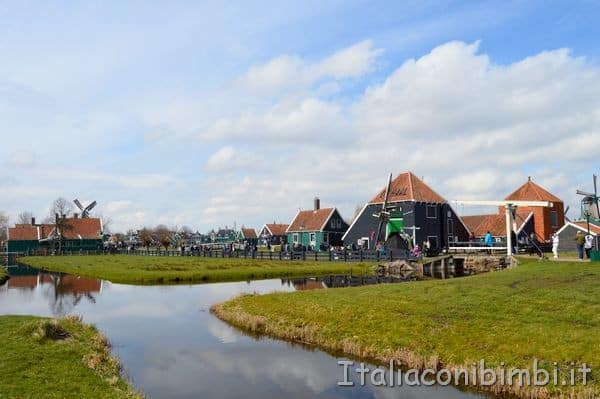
(46, 358)
(544, 310)
(166, 270)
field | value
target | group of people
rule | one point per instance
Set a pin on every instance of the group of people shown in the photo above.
(585, 243)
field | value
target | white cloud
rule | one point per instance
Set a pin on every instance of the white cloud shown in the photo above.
(290, 71)
(283, 123)
(472, 128)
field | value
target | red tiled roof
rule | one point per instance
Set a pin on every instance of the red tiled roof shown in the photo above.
(46, 230)
(494, 223)
(473, 222)
(84, 229)
(23, 232)
(310, 220)
(277, 229)
(248, 233)
(532, 192)
(593, 228)
(408, 187)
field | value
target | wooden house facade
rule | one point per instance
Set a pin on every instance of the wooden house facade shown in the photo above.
(426, 214)
(316, 229)
(273, 234)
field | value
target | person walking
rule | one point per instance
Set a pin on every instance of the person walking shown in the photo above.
(589, 242)
(488, 241)
(555, 241)
(580, 240)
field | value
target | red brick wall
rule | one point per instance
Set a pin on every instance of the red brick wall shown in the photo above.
(542, 219)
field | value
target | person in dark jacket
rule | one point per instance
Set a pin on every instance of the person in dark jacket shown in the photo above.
(580, 240)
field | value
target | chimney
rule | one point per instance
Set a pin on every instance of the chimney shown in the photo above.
(33, 221)
(75, 215)
(317, 204)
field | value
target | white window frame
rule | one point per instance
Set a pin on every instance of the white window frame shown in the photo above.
(295, 238)
(312, 238)
(339, 223)
(332, 223)
(427, 207)
(325, 237)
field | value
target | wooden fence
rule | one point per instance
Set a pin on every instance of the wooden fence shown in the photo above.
(324, 256)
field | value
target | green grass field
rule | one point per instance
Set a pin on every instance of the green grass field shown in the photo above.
(171, 270)
(45, 358)
(549, 311)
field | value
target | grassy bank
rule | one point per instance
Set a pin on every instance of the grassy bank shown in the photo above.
(46, 358)
(549, 311)
(165, 270)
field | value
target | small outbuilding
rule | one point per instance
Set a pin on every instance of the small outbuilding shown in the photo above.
(273, 234)
(247, 236)
(566, 235)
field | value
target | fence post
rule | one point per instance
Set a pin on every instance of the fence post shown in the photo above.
(361, 255)
(391, 257)
(345, 255)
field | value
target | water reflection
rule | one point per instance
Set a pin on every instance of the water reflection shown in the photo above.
(172, 347)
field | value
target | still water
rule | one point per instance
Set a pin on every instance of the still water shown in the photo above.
(172, 347)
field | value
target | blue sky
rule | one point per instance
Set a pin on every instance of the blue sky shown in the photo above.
(204, 114)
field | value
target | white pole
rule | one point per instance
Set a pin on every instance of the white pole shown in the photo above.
(508, 230)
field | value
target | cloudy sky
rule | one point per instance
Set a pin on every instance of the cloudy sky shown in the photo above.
(205, 113)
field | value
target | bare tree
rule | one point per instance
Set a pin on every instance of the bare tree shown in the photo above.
(145, 237)
(61, 206)
(3, 226)
(24, 217)
(163, 235)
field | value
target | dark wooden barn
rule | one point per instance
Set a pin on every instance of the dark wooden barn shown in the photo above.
(427, 215)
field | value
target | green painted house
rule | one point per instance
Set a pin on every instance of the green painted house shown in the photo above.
(316, 229)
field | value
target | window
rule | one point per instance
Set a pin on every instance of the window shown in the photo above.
(498, 239)
(450, 226)
(333, 223)
(295, 238)
(554, 219)
(431, 211)
(312, 237)
(450, 240)
(339, 223)
(325, 237)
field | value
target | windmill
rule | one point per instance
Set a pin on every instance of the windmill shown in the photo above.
(85, 212)
(589, 203)
(384, 214)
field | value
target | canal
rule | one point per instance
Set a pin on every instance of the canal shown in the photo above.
(172, 347)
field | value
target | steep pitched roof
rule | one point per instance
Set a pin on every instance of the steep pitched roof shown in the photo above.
(531, 191)
(248, 233)
(82, 229)
(23, 232)
(408, 187)
(277, 229)
(310, 220)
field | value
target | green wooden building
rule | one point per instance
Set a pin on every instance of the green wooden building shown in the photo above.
(316, 229)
